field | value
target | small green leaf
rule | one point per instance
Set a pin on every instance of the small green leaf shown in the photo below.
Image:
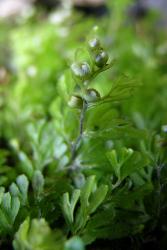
(87, 190)
(23, 231)
(69, 206)
(65, 86)
(15, 206)
(112, 157)
(2, 190)
(10, 207)
(38, 182)
(98, 197)
(4, 222)
(22, 183)
(134, 163)
(74, 199)
(6, 203)
(37, 235)
(14, 190)
(26, 164)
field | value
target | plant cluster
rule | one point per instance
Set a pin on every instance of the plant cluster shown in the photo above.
(82, 155)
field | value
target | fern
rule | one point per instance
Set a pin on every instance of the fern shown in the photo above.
(11, 202)
(45, 239)
(90, 197)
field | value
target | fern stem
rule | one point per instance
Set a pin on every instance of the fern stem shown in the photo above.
(81, 130)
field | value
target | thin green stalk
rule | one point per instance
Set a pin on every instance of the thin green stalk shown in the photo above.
(81, 130)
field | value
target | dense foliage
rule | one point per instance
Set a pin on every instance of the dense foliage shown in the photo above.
(83, 132)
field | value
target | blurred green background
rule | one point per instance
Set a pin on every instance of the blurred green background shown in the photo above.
(37, 44)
